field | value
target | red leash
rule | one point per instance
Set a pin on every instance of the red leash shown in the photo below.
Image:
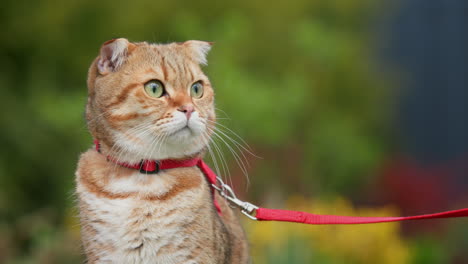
(265, 214)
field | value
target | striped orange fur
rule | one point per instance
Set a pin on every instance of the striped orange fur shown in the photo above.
(169, 217)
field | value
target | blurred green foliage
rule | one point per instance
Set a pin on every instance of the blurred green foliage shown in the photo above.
(296, 80)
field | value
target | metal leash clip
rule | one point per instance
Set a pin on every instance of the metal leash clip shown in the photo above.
(226, 191)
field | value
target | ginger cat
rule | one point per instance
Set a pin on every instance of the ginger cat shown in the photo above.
(152, 102)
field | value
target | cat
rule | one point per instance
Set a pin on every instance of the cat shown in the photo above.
(152, 102)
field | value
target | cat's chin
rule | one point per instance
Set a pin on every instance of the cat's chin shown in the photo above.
(179, 151)
(181, 144)
(183, 135)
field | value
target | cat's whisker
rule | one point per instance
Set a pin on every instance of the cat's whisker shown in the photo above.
(207, 139)
(120, 148)
(154, 142)
(236, 144)
(159, 144)
(106, 112)
(144, 132)
(137, 131)
(130, 131)
(244, 144)
(143, 152)
(222, 159)
(238, 159)
(220, 110)
(211, 128)
(216, 148)
(219, 152)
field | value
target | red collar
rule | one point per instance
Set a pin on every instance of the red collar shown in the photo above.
(152, 166)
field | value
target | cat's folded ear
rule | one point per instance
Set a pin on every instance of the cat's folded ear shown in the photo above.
(198, 50)
(113, 55)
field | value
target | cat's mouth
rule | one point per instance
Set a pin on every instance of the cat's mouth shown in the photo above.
(182, 131)
(186, 130)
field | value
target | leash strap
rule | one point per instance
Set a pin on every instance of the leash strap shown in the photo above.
(264, 214)
(211, 177)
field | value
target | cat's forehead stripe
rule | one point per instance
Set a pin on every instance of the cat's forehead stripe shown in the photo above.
(189, 70)
(163, 68)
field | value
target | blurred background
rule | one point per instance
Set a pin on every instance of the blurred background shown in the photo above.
(355, 108)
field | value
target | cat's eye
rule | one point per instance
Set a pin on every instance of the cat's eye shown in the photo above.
(196, 91)
(154, 88)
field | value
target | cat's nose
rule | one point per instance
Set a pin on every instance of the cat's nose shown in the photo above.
(187, 110)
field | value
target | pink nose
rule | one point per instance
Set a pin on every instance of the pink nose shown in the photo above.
(187, 109)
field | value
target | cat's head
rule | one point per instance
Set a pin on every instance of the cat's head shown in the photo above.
(150, 101)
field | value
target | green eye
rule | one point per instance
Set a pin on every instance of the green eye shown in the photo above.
(154, 88)
(196, 91)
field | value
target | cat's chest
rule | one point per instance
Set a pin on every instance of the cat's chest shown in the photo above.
(141, 230)
(143, 226)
